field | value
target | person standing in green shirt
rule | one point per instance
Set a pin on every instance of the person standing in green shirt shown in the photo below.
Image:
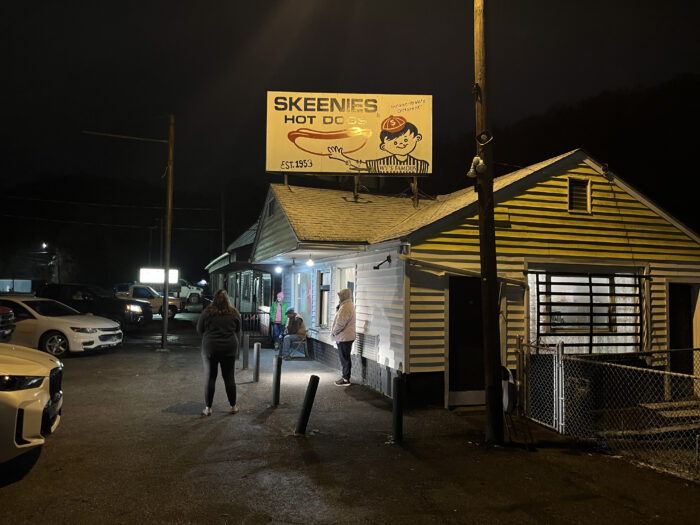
(278, 316)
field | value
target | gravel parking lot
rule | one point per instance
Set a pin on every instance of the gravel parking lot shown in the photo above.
(132, 448)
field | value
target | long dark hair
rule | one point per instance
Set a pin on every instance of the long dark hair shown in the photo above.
(222, 305)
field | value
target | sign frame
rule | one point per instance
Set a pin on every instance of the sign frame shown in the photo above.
(341, 134)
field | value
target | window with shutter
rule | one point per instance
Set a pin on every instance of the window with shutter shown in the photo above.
(578, 195)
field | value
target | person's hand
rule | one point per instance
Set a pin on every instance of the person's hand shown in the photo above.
(336, 153)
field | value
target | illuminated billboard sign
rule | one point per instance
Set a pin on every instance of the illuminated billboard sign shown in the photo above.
(156, 275)
(388, 135)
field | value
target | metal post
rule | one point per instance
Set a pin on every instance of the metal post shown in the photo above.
(397, 410)
(276, 378)
(256, 362)
(246, 349)
(520, 380)
(559, 388)
(308, 403)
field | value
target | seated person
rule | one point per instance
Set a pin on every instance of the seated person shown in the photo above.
(294, 331)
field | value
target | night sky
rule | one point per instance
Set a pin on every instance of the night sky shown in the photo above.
(122, 67)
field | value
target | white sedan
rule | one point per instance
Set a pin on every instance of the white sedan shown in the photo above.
(30, 399)
(55, 328)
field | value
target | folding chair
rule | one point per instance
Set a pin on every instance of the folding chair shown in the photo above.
(299, 346)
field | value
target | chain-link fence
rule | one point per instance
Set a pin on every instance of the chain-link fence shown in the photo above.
(630, 403)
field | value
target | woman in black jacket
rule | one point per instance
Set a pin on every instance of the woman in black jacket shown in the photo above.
(220, 327)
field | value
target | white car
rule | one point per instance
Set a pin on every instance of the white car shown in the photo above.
(30, 399)
(55, 328)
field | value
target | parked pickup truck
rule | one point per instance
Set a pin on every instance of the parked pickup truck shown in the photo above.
(91, 299)
(183, 289)
(147, 293)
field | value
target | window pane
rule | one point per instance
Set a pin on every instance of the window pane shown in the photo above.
(303, 295)
(346, 279)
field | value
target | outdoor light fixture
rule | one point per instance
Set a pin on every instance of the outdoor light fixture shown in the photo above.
(388, 259)
(484, 138)
(44, 245)
(278, 269)
(309, 262)
(477, 166)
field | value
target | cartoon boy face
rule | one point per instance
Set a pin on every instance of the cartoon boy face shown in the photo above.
(401, 145)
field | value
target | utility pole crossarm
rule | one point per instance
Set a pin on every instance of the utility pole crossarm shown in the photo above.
(127, 137)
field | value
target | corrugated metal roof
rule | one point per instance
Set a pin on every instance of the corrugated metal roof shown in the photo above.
(244, 239)
(332, 215)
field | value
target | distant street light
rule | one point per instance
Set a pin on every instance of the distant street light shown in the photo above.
(165, 309)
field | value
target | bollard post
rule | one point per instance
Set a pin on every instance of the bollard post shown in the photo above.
(276, 377)
(246, 349)
(308, 403)
(397, 412)
(256, 362)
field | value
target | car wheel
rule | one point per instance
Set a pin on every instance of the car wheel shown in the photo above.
(194, 299)
(54, 343)
(171, 312)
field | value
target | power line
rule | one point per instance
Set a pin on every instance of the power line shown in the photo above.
(105, 225)
(56, 201)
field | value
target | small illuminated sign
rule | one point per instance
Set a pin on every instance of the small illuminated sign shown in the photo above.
(157, 275)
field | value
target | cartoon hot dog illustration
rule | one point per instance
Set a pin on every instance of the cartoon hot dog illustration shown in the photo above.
(317, 142)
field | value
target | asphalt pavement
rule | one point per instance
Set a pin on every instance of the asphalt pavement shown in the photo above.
(132, 447)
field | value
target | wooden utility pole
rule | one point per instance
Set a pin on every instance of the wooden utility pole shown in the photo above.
(223, 220)
(487, 238)
(168, 213)
(168, 234)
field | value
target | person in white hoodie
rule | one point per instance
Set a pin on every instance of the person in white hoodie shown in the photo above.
(343, 333)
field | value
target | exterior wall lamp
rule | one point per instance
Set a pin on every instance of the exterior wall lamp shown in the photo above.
(388, 259)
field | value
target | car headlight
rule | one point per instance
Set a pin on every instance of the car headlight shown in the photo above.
(8, 383)
(83, 330)
(133, 308)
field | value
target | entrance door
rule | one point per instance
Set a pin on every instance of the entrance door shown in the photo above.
(466, 352)
(684, 327)
(681, 306)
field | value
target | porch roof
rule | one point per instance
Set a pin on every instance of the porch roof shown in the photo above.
(245, 239)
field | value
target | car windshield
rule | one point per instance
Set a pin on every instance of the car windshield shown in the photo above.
(51, 308)
(155, 292)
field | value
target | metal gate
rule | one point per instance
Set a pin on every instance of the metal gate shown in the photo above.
(542, 384)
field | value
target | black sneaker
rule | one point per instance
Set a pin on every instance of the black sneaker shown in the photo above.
(342, 382)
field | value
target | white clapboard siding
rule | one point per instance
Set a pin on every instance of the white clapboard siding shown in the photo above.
(535, 225)
(378, 302)
(275, 235)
